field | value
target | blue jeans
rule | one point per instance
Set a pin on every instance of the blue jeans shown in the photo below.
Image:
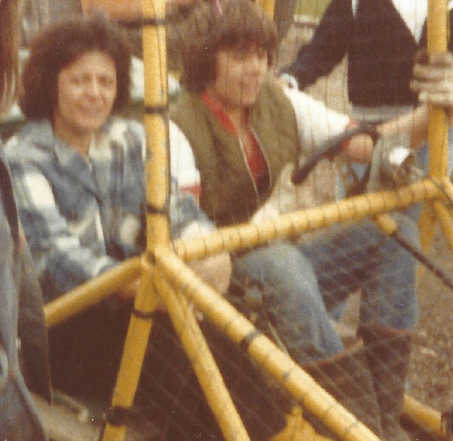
(302, 283)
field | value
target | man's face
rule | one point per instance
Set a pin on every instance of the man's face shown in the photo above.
(86, 92)
(239, 76)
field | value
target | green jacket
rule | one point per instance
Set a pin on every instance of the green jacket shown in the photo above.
(229, 194)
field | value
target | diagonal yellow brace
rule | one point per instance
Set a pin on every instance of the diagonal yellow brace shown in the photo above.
(265, 353)
(91, 293)
(426, 417)
(203, 362)
(292, 224)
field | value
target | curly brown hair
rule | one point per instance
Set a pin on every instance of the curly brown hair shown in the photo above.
(237, 24)
(57, 47)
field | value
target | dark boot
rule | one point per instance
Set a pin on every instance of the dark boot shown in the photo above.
(347, 378)
(388, 354)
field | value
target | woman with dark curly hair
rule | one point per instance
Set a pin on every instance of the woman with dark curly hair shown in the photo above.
(77, 75)
(79, 175)
(23, 340)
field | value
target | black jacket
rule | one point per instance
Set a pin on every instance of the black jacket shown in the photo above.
(380, 50)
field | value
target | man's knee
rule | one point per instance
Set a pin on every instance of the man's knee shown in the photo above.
(278, 265)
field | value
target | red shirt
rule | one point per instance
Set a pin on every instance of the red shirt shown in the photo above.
(254, 156)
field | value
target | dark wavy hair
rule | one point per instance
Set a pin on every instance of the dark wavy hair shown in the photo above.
(237, 24)
(57, 47)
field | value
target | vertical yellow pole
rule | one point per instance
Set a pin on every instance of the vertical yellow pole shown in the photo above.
(158, 231)
(437, 42)
(438, 135)
(131, 361)
(157, 181)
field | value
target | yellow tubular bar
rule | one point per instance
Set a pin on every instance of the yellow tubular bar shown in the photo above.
(262, 350)
(352, 209)
(157, 189)
(91, 293)
(96, 290)
(134, 351)
(426, 417)
(386, 224)
(437, 42)
(155, 61)
(437, 132)
(203, 363)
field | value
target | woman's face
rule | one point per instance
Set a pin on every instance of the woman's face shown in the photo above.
(239, 77)
(86, 92)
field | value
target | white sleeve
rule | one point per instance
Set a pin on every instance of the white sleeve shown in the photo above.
(182, 160)
(188, 220)
(315, 122)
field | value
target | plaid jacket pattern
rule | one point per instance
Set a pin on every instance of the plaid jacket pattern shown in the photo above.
(82, 216)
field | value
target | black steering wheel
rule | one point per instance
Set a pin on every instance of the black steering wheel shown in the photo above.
(331, 148)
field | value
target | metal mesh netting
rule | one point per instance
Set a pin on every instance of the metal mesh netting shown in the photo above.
(327, 290)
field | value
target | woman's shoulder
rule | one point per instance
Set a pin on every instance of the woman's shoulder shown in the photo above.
(31, 142)
(119, 129)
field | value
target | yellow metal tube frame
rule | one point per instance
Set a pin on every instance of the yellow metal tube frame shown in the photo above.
(157, 228)
(133, 354)
(427, 418)
(203, 362)
(354, 209)
(91, 293)
(246, 235)
(291, 224)
(437, 25)
(220, 312)
(262, 350)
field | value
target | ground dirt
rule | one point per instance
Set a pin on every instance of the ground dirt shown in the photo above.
(430, 378)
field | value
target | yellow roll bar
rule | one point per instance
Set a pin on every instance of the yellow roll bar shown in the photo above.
(437, 24)
(279, 365)
(164, 275)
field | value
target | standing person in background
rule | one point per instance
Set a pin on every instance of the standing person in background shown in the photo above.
(23, 339)
(381, 38)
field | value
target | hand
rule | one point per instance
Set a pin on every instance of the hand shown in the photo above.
(214, 270)
(433, 79)
(360, 148)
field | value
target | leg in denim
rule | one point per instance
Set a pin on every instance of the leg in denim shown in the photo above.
(360, 256)
(301, 284)
(389, 299)
(291, 298)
